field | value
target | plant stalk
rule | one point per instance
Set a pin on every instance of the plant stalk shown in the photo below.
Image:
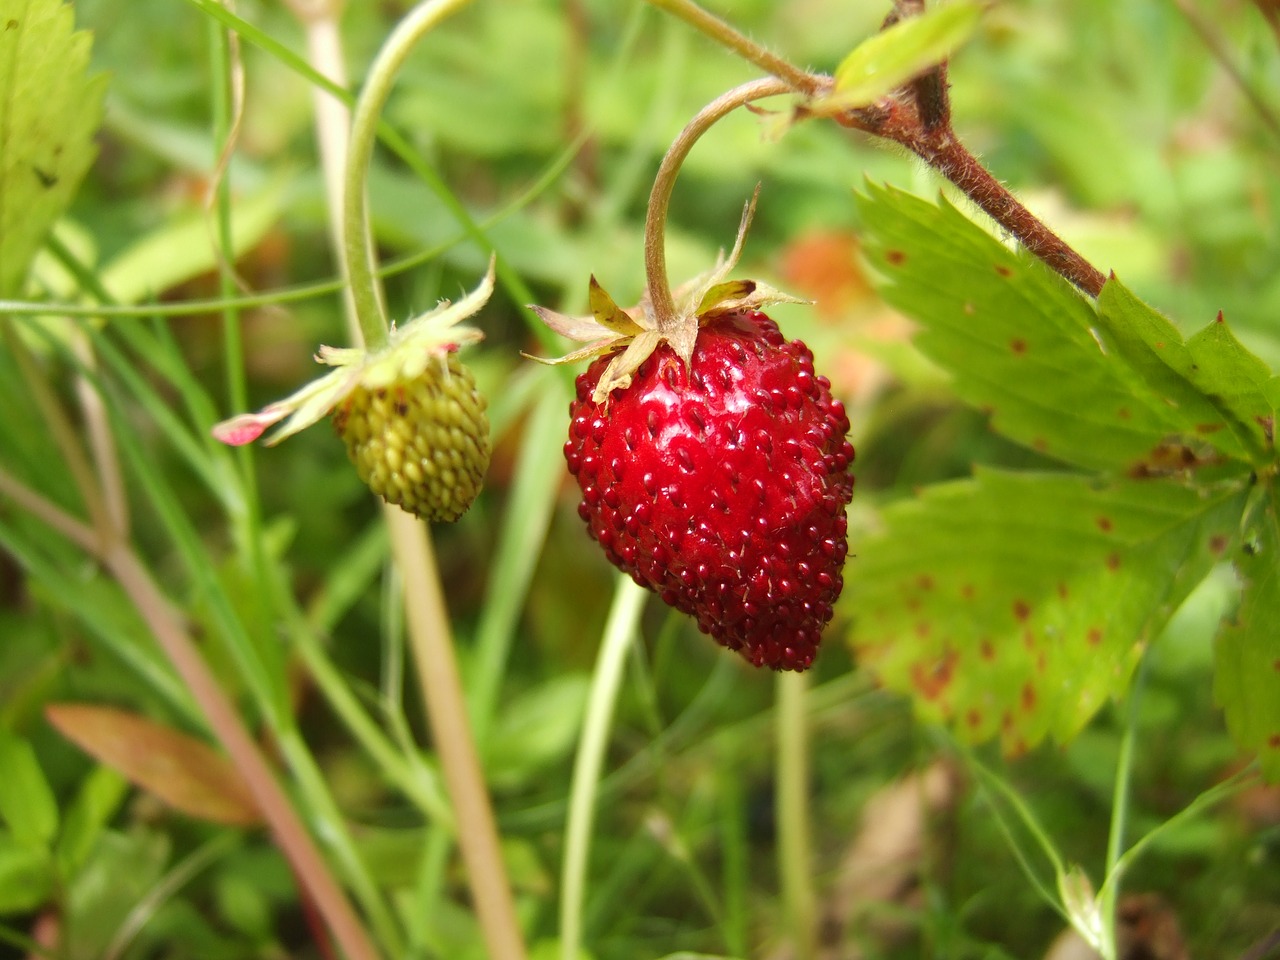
(919, 118)
(437, 671)
(655, 256)
(628, 602)
(708, 23)
(795, 847)
(358, 254)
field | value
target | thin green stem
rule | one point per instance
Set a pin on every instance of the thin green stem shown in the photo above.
(795, 78)
(620, 629)
(655, 256)
(358, 255)
(795, 848)
(1120, 797)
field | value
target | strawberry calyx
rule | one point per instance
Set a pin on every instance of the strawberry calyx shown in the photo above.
(410, 349)
(640, 330)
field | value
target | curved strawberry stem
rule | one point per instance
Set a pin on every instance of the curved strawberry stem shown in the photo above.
(918, 116)
(358, 256)
(655, 258)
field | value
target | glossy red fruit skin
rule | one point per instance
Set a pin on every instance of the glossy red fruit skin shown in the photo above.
(723, 487)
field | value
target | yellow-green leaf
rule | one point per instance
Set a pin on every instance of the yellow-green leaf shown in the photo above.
(609, 314)
(884, 62)
(50, 109)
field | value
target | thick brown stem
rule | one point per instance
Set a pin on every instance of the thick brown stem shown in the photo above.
(959, 166)
(921, 122)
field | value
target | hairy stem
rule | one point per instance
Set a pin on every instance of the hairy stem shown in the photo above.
(722, 33)
(358, 254)
(655, 256)
(918, 118)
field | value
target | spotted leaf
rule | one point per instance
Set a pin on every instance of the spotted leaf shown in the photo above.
(1013, 605)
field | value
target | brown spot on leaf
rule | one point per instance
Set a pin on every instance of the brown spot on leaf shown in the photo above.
(1124, 414)
(923, 629)
(895, 258)
(1003, 270)
(1040, 444)
(1206, 428)
(924, 582)
(1042, 662)
(1113, 561)
(1276, 665)
(1029, 639)
(973, 718)
(1104, 524)
(1218, 544)
(1218, 319)
(1094, 636)
(1028, 698)
(1021, 610)
(1006, 722)
(1273, 741)
(967, 591)
(988, 651)
(1062, 589)
(932, 680)
(1018, 345)
(913, 604)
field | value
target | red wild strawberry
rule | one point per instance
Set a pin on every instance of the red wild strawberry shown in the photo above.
(722, 485)
(712, 460)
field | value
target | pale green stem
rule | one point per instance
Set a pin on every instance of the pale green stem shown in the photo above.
(437, 671)
(357, 240)
(795, 848)
(1107, 896)
(655, 256)
(620, 628)
(796, 79)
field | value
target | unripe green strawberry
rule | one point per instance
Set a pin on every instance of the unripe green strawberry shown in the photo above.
(408, 411)
(421, 444)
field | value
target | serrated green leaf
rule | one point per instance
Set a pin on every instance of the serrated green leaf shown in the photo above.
(884, 62)
(1013, 605)
(49, 111)
(1218, 392)
(1246, 680)
(1020, 342)
(27, 804)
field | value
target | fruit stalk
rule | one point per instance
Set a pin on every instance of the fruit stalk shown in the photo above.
(655, 257)
(357, 246)
(918, 117)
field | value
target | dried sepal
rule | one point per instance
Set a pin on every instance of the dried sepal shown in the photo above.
(637, 331)
(610, 316)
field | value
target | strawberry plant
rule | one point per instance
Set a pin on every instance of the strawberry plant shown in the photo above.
(1025, 696)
